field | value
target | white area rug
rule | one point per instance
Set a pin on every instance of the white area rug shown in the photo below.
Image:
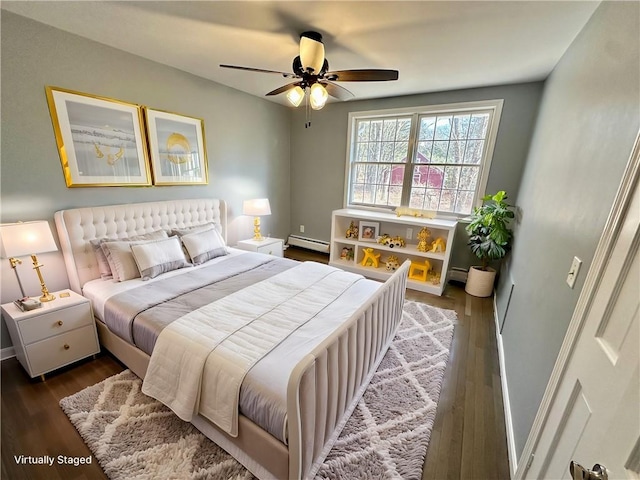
(134, 436)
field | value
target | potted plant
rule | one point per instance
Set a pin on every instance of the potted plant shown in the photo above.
(490, 239)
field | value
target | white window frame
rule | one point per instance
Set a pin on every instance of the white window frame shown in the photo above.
(450, 108)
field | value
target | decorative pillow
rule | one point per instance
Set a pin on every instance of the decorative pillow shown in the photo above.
(194, 229)
(158, 257)
(103, 264)
(204, 245)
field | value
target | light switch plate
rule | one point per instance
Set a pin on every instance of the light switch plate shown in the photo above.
(573, 271)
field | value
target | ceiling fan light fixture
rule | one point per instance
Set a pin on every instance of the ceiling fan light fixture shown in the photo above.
(318, 96)
(311, 51)
(295, 96)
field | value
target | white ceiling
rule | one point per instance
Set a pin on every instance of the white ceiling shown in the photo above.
(436, 45)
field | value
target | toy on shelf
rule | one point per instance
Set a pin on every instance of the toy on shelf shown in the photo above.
(434, 278)
(383, 239)
(415, 212)
(419, 271)
(392, 263)
(438, 245)
(371, 258)
(397, 241)
(352, 231)
(346, 254)
(423, 239)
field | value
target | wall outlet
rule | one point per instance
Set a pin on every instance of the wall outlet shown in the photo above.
(301, 228)
(409, 233)
(573, 271)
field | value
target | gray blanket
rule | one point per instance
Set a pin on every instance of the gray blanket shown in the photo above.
(139, 315)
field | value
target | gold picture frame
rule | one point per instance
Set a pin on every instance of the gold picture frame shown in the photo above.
(177, 148)
(101, 141)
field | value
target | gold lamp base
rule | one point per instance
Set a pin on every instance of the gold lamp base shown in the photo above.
(46, 296)
(257, 236)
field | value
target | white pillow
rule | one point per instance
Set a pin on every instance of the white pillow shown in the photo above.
(103, 264)
(205, 245)
(123, 266)
(158, 257)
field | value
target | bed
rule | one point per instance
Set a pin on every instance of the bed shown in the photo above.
(320, 383)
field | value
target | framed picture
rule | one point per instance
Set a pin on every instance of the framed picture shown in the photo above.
(368, 231)
(100, 140)
(177, 148)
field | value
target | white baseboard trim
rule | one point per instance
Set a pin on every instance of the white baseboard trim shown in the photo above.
(309, 243)
(6, 353)
(511, 444)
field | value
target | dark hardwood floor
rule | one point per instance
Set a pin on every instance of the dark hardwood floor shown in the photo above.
(468, 439)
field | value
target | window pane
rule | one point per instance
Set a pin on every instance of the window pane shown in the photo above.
(404, 129)
(451, 177)
(468, 178)
(436, 177)
(479, 124)
(473, 153)
(387, 152)
(460, 127)
(375, 132)
(389, 130)
(397, 175)
(447, 201)
(443, 128)
(427, 128)
(395, 196)
(362, 153)
(374, 152)
(439, 152)
(382, 194)
(456, 151)
(400, 152)
(464, 202)
(417, 198)
(358, 193)
(431, 199)
(363, 130)
(424, 152)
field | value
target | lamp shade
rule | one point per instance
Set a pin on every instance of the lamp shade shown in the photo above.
(318, 96)
(28, 238)
(311, 51)
(256, 207)
(295, 95)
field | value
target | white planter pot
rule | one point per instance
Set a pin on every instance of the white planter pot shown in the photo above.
(480, 282)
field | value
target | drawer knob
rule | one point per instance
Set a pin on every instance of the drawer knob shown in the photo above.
(59, 323)
(66, 346)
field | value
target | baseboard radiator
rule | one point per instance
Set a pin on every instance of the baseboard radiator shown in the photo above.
(308, 243)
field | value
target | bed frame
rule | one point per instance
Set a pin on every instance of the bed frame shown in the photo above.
(324, 387)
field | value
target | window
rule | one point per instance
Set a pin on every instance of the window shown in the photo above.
(431, 158)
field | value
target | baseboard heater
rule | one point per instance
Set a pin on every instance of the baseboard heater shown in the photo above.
(458, 274)
(309, 243)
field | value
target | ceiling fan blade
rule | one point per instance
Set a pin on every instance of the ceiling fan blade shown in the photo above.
(337, 91)
(362, 75)
(259, 70)
(282, 89)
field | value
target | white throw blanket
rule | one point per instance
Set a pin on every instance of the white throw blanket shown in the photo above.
(200, 360)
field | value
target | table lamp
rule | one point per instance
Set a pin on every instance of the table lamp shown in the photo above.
(256, 208)
(28, 238)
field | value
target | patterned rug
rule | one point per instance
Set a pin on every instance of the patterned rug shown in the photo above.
(134, 436)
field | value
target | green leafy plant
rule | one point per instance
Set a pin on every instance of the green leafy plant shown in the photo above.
(489, 233)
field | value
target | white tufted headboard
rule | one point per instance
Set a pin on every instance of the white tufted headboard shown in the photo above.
(77, 227)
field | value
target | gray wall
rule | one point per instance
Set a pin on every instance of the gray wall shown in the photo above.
(318, 154)
(247, 137)
(588, 121)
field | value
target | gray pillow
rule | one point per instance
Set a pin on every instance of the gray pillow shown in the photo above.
(158, 257)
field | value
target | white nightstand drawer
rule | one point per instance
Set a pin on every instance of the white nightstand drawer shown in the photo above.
(53, 323)
(62, 349)
(273, 248)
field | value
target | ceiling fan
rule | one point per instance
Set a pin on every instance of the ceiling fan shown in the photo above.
(311, 71)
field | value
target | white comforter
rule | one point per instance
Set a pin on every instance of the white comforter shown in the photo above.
(200, 360)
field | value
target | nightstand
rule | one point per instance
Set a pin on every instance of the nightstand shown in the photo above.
(61, 332)
(269, 246)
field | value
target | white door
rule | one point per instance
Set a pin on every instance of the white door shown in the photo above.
(593, 414)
